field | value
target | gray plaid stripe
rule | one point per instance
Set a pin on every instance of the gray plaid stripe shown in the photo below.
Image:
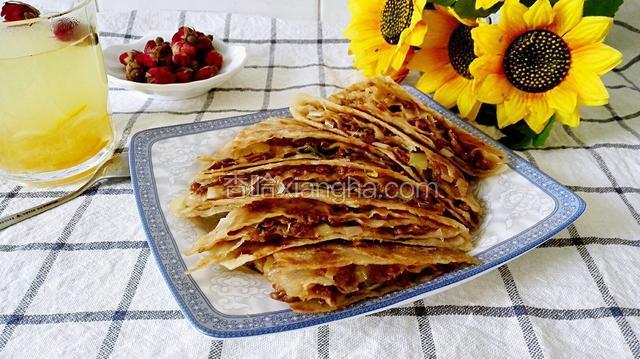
(299, 67)
(520, 310)
(583, 146)
(604, 189)
(427, 344)
(613, 119)
(132, 120)
(91, 246)
(626, 26)
(630, 63)
(55, 194)
(417, 311)
(321, 75)
(227, 27)
(7, 198)
(215, 350)
(265, 89)
(209, 99)
(603, 166)
(272, 56)
(88, 317)
(43, 272)
(627, 80)
(130, 22)
(114, 329)
(182, 18)
(566, 242)
(622, 124)
(240, 41)
(627, 332)
(509, 312)
(616, 87)
(207, 103)
(323, 342)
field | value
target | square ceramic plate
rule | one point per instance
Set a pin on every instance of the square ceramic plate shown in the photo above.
(523, 206)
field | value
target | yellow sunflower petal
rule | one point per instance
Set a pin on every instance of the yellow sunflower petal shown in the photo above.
(484, 65)
(597, 57)
(467, 101)
(368, 45)
(591, 90)
(501, 115)
(415, 36)
(488, 39)
(590, 29)
(512, 18)
(539, 112)
(515, 107)
(474, 111)
(439, 28)
(485, 4)
(431, 81)
(449, 92)
(492, 89)
(567, 14)
(429, 61)
(562, 98)
(539, 15)
(570, 119)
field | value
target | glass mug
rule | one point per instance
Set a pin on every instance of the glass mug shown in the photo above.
(54, 116)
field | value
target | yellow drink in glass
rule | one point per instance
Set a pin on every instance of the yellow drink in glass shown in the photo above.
(54, 120)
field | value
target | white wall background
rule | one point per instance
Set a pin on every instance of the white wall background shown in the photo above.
(325, 10)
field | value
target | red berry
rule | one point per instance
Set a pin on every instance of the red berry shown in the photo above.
(184, 48)
(213, 58)
(206, 72)
(146, 60)
(149, 46)
(181, 60)
(204, 43)
(184, 75)
(16, 11)
(185, 33)
(125, 57)
(65, 29)
(160, 75)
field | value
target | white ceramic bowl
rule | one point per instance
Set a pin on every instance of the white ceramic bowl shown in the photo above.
(234, 58)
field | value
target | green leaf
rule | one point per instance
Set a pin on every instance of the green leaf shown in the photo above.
(443, 2)
(516, 143)
(541, 138)
(487, 115)
(517, 136)
(467, 8)
(601, 7)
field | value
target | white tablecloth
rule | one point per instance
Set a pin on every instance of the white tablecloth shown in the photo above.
(78, 281)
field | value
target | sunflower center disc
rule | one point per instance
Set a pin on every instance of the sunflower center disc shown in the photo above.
(396, 17)
(461, 50)
(537, 61)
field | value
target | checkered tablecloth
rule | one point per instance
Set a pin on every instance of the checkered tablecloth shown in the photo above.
(78, 281)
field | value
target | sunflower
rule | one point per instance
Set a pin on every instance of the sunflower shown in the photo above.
(542, 61)
(382, 34)
(486, 4)
(444, 59)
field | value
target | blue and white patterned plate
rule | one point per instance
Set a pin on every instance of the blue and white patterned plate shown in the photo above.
(523, 206)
